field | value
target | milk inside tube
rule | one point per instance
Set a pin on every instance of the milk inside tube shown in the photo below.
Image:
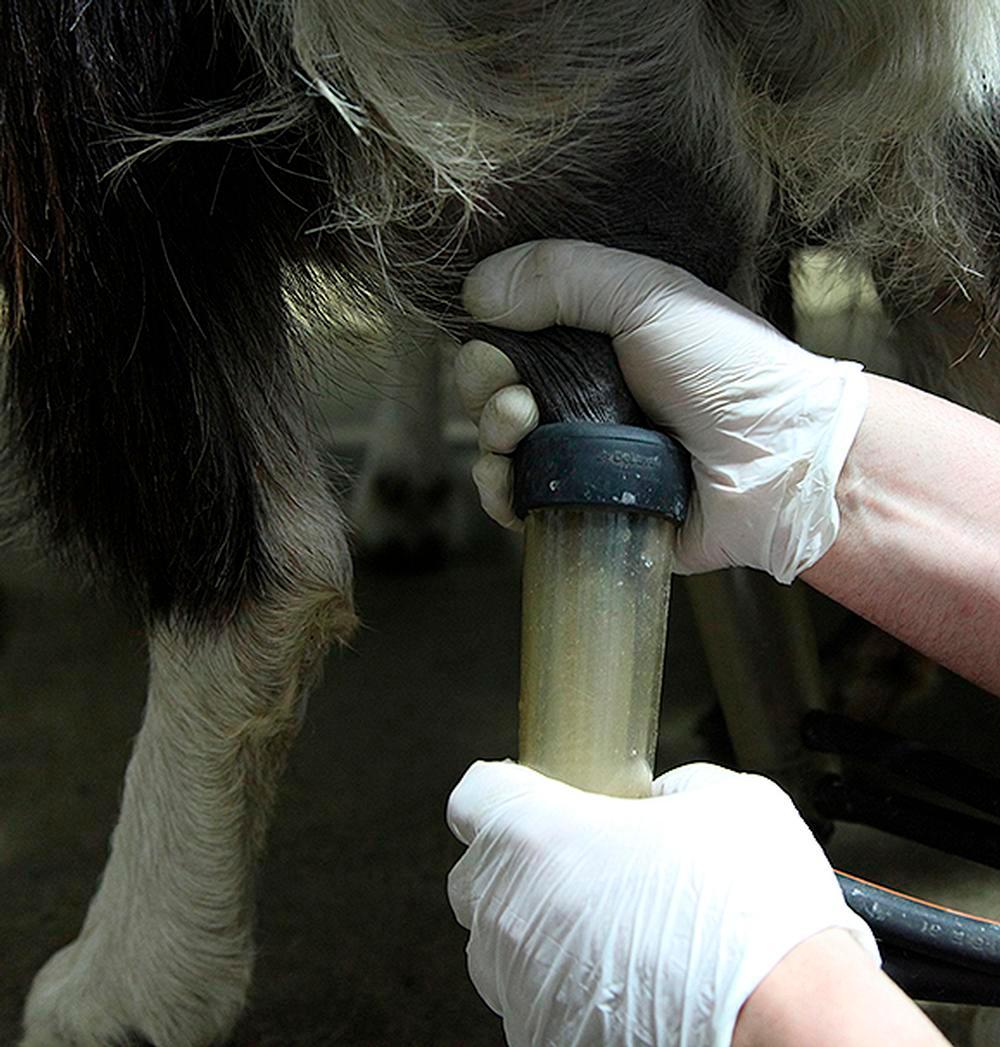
(601, 505)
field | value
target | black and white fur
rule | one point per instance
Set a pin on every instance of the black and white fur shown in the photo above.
(183, 181)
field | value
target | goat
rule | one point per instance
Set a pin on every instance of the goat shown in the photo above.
(182, 182)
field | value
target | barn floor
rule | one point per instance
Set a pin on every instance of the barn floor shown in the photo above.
(357, 943)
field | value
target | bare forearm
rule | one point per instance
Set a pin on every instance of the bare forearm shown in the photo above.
(918, 552)
(826, 993)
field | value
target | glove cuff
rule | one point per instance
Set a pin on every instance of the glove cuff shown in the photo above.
(766, 951)
(808, 521)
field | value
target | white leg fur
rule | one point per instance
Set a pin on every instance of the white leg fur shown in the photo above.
(166, 949)
(401, 500)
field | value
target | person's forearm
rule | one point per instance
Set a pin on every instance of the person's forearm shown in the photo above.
(918, 551)
(827, 993)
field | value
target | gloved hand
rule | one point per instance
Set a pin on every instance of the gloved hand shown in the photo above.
(768, 425)
(602, 922)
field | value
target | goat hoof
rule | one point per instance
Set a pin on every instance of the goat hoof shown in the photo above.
(86, 996)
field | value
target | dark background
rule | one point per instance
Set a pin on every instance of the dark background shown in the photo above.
(357, 944)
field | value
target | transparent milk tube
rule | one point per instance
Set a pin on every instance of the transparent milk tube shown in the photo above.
(595, 593)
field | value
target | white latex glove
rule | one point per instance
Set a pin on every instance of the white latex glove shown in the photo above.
(768, 425)
(602, 922)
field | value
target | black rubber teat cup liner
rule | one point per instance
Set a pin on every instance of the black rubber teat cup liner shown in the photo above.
(584, 464)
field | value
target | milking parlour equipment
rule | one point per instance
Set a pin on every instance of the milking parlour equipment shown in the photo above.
(602, 494)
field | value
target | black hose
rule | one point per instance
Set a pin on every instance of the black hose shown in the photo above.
(914, 761)
(933, 953)
(853, 799)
